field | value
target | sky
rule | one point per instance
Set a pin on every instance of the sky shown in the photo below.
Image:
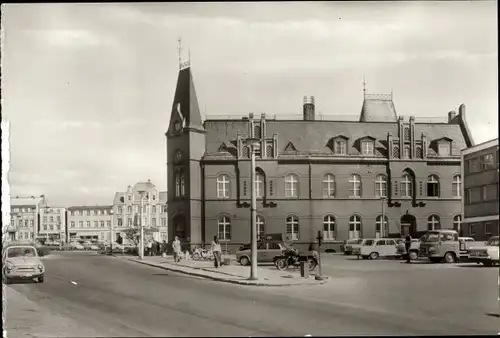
(88, 88)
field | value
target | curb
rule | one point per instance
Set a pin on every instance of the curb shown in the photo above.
(240, 282)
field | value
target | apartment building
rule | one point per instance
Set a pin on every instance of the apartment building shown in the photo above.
(25, 218)
(89, 222)
(480, 187)
(53, 224)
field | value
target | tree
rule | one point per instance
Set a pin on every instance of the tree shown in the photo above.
(133, 235)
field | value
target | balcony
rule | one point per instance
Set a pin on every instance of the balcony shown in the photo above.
(11, 228)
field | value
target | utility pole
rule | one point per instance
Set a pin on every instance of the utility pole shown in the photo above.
(142, 227)
(111, 231)
(252, 143)
(382, 223)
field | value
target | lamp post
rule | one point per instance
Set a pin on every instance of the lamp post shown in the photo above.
(111, 231)
(253, 143)
(145, 188)
(382, 223)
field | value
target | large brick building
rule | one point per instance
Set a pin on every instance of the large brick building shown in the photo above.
(312, 174)
(480, 172)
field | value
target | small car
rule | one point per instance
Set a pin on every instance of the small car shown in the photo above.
(22, 262)
(488, 255)
(266, 251)
(374, 248)
(350, 244)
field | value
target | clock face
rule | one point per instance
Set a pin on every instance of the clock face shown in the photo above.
(177, 126)
(178, 155)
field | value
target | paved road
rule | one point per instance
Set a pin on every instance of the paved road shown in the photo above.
(114, 297)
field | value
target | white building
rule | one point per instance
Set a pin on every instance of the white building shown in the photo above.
(25, 218)
(127, 211)
(53, 224)
(89, 222)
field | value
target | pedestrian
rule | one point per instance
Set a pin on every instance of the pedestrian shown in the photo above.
(176, 246)
(150, 247)
(408, 247)
(154, 248)
(216, 250)
(164, 248)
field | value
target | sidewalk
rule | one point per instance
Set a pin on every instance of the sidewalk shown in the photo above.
(26, 319)
(234, 273)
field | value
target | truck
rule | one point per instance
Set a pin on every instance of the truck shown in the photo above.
(439, 245)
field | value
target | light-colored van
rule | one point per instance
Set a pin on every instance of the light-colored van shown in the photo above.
(374, 248)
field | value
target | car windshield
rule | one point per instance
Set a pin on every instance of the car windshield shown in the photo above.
(21, 252)
(493, 242)
(369, 242)
(431, 237)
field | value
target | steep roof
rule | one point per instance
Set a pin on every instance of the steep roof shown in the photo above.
(313, 137)
(378, 108)
(185, 108)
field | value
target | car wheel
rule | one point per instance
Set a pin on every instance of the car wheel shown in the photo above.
(413, 255)
(244, 261)
(449, 257)
(488, 264)
(40, 279)
(374, 255)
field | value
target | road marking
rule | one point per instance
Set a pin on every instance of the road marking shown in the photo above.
(74, 283)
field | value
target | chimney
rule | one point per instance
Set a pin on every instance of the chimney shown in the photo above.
(308, 111)
(461, 111)
(451, 116)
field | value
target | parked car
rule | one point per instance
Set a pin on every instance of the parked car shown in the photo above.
(439, 245)
(266, 251)
(22, 262)
(488, 254)
(374, 248)
(350, 244)
(74, 246)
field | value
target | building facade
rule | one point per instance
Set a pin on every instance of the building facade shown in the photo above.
(89, 222)
(53, 224)
(337, 177)
(480, 190)
(25, 218)
(127, 210)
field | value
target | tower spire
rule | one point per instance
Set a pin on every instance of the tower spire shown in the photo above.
(180, 51)
(364, 86)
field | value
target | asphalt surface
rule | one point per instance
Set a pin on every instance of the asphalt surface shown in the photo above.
(109, 296)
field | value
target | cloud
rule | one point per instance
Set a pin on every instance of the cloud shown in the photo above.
(70, 37)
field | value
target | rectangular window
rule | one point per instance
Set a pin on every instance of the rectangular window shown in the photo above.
(72, 224)
(488, 229)
(88, 212)
(59, 219)
(51, 218)
(80, 224)
(102, 224)
(367, 147)
(164, 222)
(339, 147)
(45, 227)
(474, 165)
(88, 224)
(52, 227)
(153, 222)
(45, 218)
(108, 224)
(120, 222)
(153, 209)
(475, 195)
(96, 224)
(444, 149)
(129, 222)
(488, 162)
(473, 229)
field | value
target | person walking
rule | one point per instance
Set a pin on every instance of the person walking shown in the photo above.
(216, 250)
(154, 248)
(150, 248)
(164, 248)
(176, 246)
(408, 247)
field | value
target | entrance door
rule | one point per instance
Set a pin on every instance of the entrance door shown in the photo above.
(408, 224)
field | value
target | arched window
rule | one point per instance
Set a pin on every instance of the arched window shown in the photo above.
(432, 186)
(259, 185)
(223, 186)
(292, 227)
(406, 186)
(407, 134)
(457, 220)
(179, 183)
(418, 152)
(291, 185)
(329, 227)
(354, 227)
(433, 222)
(256, 131)
(328, 185)
(456, 186)
(269, 151)
(381, 186)
(261, 224)
(224, 225)
(395, 152)
(381, 231)
(355, 183)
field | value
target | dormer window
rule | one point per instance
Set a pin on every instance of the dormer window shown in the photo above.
(367, 147)
(339, 146)
(444, 149)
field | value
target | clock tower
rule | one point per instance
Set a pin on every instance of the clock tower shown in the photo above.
(185, 149)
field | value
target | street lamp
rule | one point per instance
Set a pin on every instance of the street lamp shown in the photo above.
(253, 144)
(111, 230)
(382, 223)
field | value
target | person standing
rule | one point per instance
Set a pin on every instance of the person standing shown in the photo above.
(176, 246)
(150, 248)
(408, 247)
(216, 250)
(154, 248)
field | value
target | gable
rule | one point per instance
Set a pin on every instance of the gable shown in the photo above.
(223, 148)
(290, 147)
